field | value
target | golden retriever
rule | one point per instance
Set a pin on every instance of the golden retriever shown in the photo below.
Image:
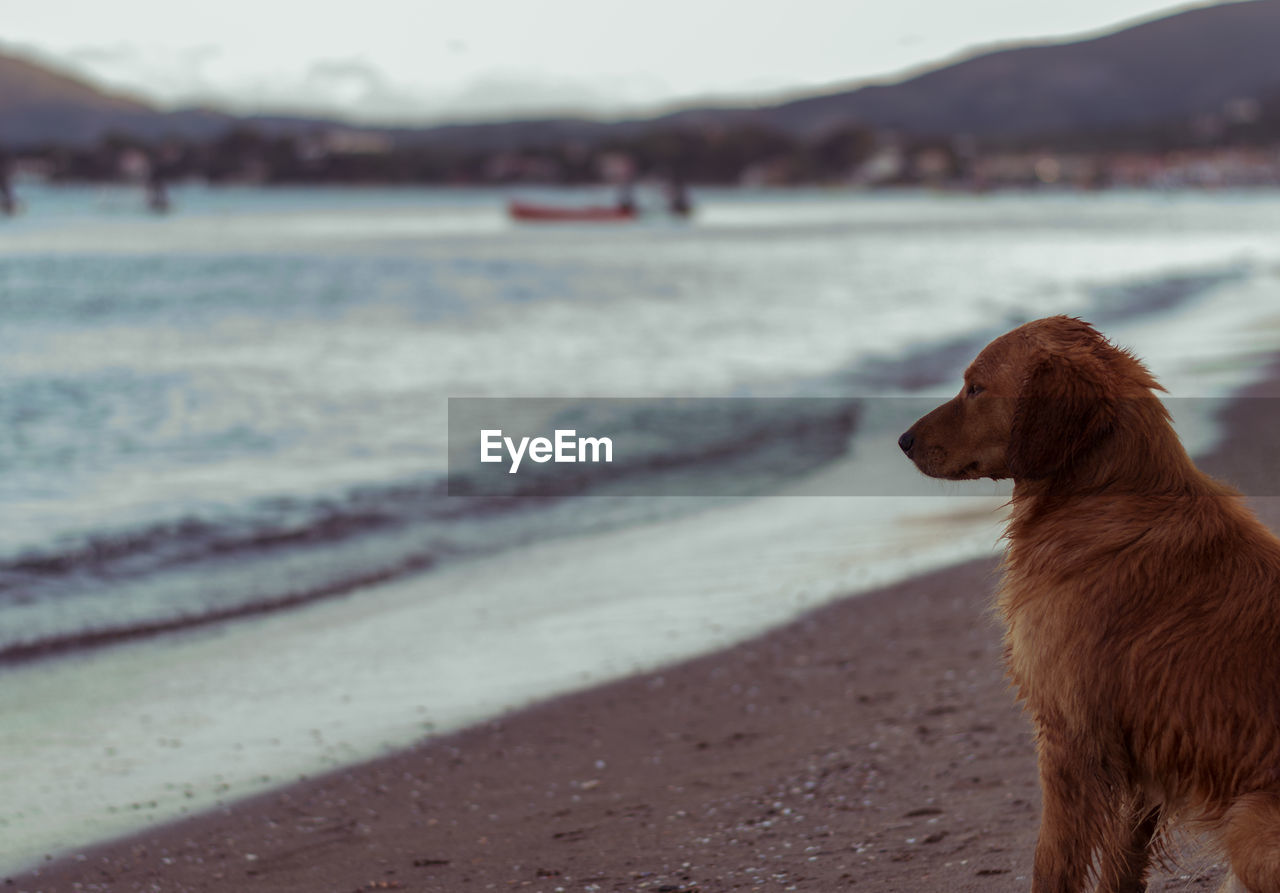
(1141, 603)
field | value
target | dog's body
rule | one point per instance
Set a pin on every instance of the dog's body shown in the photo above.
(1141, 603)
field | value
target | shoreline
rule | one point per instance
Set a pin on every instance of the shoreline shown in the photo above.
(872, 743)
(794, 758)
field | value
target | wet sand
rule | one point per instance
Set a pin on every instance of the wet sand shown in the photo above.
(872, 745)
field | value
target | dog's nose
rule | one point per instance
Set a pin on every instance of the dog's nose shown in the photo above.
(907, 441)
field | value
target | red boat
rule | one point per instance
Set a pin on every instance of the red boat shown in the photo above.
(558, 214)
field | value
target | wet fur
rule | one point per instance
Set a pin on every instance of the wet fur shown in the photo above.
(1141, 604)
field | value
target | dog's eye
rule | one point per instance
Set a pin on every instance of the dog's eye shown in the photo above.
(974, 390)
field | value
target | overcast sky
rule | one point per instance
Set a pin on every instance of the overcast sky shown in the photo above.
(416, 60)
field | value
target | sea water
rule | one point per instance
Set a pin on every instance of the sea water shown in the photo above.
(223, 446)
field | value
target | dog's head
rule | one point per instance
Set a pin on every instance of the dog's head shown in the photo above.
(1035, 401)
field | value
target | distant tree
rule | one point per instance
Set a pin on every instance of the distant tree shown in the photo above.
(836, 154)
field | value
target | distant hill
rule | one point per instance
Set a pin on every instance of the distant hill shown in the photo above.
(37, 102)
(1186, 64)
(25, 85)
(1189, 63)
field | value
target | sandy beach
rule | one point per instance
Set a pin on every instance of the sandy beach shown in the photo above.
(873, 744)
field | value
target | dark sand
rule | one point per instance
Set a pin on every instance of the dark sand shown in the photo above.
(872, 745)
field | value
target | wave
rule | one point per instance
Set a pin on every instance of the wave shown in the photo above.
(112, 585)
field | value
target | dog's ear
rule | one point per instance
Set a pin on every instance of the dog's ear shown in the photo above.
(1063, 410)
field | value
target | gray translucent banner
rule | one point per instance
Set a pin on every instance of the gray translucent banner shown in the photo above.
(714, 447)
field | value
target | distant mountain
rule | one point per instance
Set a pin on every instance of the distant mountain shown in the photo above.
(35, 101)
(1172, 69)
(1189, 63)
(41, 105)
(25, 85)
(1186, 64)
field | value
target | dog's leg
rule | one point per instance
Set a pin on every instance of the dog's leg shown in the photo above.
(1071, 822)
(1126, 854)
(1251, 836)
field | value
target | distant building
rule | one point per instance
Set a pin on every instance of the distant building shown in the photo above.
(339, 141)
(134, 165)
(885, 166)
(771, 172)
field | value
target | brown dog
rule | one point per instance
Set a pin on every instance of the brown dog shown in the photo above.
(1141, 603)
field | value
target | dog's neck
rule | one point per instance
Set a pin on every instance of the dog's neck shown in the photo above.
(1141, 453)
